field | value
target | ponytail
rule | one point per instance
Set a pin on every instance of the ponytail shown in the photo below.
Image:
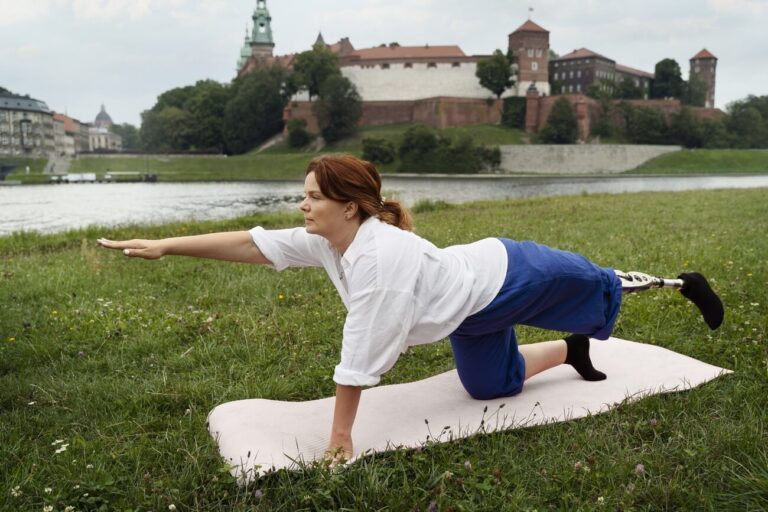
(393, 212)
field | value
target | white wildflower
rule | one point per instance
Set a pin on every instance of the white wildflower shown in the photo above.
(58, 441)
(62, 448)
(89, 466)
(48, 490)
(48, 508)
(16, 491)
(171, 507)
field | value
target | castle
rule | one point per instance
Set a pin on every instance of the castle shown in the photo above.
(436, 85)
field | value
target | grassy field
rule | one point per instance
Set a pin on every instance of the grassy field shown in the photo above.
(707, 161)
(109, 366)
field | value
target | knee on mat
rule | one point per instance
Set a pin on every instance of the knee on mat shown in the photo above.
(482, 391)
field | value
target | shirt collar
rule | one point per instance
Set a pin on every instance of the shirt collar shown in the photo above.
(357, 247)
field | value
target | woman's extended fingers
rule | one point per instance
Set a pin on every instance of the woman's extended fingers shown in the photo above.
(140, 248)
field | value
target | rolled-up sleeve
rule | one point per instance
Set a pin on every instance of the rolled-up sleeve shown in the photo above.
(289, 247)
(375, 332)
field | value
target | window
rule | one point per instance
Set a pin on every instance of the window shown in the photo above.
(456, 65)
(538, 52)
(431, 65)
(578, 74)
(555, 75)
(587, 61)
(571, 74)
(385, 66)
(555, 64)
(534, 66)
(578, 87)
(408, 65)
(262, 28)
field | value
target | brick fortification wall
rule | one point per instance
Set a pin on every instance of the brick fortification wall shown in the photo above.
(577, 158)
(440, 112)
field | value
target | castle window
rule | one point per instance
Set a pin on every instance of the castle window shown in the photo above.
(455, 64)
(385, 66)
(408, 65)
(431, 65)
(534, 66)
(262, 28)
(538, 52)
(578, 87)
(578, 74)
(555, 75)
(555, 64)
(530, 52)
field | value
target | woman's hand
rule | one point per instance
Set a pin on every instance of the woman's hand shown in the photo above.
(147, 249)
(339, 450)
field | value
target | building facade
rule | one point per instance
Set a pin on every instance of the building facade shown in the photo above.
(100, 136)
(577, 71)
(26, 127)
(704, 68)
(407, 73)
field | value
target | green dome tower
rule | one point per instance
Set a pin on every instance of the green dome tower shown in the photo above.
(261, 36)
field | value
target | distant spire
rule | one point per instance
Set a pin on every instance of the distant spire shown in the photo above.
(320, 39)
(530, 10)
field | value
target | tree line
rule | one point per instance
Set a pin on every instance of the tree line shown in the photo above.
(234, 118)
(744, 125)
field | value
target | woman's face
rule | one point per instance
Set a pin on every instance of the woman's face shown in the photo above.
(322, 216)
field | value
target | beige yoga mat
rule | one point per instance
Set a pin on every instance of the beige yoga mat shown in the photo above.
(257, 435)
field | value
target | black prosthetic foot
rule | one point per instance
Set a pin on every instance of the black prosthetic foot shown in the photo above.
(697, 290)
(578, 357)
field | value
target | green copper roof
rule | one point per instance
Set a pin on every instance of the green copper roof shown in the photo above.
(245, 51)
(262, 28)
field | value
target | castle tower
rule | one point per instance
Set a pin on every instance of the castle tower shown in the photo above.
(245, 51)
(261, 36)
(530, 46)
(703, 67)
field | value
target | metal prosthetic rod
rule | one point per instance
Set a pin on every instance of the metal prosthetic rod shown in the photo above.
(632, 282)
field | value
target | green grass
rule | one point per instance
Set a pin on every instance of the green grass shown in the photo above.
(123, 359)
(707, 161)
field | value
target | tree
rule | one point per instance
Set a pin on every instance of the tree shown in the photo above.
(645, 125)
(255, 111)
(495, 73)
(694, 92)
(685, 129)
(129, 134)
(668, 81)
(207, 103)
(562, 126)
(748, 122)
(176, 97)
(628, 90)
(3, 90)
(339, 108)
(169, 129)
(313, 67)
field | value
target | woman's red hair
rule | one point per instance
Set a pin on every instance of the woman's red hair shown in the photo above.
(348, 178)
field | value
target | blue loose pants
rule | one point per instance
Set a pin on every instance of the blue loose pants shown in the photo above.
(545, 288)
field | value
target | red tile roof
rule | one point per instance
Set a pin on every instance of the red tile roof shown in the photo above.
(408, 52)
(530, 26)
(581, 53)
(703, 54)
(632, 71)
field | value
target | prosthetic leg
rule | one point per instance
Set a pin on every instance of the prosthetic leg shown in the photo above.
(692, 285)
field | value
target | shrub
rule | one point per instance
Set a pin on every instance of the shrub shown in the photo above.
(298, 137)
(513, 113)
(423, 150)
(562, 126)
(379, 151)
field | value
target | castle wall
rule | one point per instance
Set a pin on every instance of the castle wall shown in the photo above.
(399, 83)
(578, 158)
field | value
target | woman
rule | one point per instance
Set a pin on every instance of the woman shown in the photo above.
(400, 290)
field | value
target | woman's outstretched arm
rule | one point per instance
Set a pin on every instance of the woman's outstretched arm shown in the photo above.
(235, 246)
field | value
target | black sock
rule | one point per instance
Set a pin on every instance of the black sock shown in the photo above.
(578, 357)
(697, 290)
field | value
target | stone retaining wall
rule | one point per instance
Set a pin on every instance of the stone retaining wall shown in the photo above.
(577, 158)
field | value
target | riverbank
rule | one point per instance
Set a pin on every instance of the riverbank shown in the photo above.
(281, 162)
(109, 366)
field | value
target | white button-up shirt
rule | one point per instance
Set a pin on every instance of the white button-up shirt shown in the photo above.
(399, 289)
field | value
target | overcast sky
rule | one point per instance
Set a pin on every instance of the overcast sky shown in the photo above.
(77, 54)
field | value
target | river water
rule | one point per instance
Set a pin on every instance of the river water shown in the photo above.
(52, 208)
